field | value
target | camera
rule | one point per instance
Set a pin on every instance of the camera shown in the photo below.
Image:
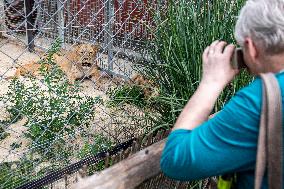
(238, 61)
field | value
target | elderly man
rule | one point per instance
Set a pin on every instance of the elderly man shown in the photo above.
(227, 143)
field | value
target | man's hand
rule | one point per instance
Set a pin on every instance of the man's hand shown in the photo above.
(217, 69)
(217, 73)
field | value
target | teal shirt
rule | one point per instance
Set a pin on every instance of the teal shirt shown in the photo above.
(226, 143)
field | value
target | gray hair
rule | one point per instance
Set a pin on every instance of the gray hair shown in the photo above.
(263, 21)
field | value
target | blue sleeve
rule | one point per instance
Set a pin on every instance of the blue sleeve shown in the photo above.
(223, 144)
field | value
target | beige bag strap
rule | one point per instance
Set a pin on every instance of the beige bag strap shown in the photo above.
(270, 149)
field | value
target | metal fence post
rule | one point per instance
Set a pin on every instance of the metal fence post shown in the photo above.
(108, 42)
(2, 22)
(29, 25)
(60, 20)
(69, 29)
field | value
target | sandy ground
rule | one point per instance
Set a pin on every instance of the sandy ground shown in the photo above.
(11, 54)
(113, 123)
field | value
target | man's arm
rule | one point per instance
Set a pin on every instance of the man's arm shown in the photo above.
(199, 107)
(226, 143)
(217, 73)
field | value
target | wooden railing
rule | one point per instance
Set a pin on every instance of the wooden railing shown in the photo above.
(128, 173)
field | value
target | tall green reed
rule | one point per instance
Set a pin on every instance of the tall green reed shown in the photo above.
(181, 34)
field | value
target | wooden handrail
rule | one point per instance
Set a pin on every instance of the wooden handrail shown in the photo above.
(128, 173)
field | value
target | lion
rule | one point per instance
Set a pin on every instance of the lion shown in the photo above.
(149, 87)
(78, 63)
(31, 69)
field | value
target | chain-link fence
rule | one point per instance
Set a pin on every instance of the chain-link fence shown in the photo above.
(61, 62)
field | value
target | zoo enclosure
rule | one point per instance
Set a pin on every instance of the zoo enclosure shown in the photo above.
(121, 27)
(29, 28)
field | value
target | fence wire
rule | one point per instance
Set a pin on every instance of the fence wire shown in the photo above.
(61, 61)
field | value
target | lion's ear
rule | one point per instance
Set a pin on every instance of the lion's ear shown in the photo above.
(96, 48)
(76, 47)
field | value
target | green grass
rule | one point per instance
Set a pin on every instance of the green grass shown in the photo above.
(181, 35)
(127, 94)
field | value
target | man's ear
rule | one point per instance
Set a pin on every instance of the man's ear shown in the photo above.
(251, 48)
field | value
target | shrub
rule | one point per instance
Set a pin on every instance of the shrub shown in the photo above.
(14, 174)
(99, 144)
(174, 61)
(54, 109)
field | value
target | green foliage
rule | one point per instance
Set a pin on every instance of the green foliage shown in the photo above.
(15, 145)
(54, 49)
(129, 94)
(181, 35)
(3, 133)
(13, 174)
(53, 107)
(99, 144)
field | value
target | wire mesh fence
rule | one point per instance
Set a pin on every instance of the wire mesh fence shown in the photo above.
(61, 61)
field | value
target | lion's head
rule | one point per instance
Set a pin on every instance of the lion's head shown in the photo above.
(86, 55)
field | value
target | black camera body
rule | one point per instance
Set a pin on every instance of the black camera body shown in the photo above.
(238, 61)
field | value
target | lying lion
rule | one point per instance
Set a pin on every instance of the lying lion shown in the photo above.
(31, 69)
(78, 63)
(150, 88)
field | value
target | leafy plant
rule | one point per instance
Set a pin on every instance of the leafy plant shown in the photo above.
(53, 107)
(13, 174)
(15, 145)
(99, 144)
